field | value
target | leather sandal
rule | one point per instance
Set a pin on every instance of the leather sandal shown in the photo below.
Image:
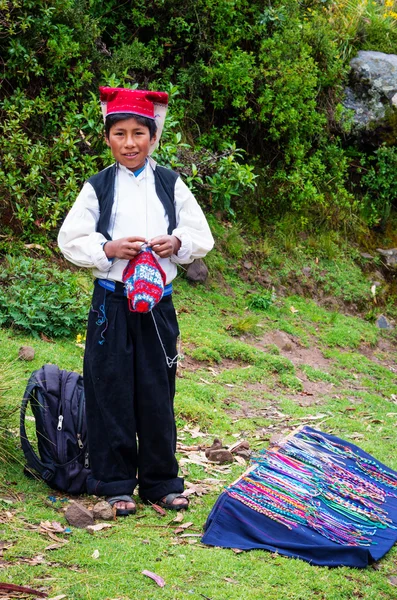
(168, 502)
(122, 512)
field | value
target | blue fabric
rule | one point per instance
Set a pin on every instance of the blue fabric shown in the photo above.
(139, 171)
(108, 284)
(231, 524)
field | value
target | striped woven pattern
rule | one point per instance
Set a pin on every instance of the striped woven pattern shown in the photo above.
(144, 281)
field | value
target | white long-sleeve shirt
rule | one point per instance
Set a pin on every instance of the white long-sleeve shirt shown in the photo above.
(136, 211)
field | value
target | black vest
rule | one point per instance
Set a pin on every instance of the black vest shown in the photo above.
(104, 183)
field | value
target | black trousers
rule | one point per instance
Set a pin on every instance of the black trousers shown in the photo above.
(129, 397)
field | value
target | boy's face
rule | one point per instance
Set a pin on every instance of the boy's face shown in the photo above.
(130, 143)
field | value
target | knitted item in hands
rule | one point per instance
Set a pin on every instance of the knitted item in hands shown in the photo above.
(144, 281)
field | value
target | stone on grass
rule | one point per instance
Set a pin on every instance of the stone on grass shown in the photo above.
(390, 256)
(383, 323)
(197, 271)
(103, 511)
(282, 341)
(220, 455)
(26, 353)
(78, 515)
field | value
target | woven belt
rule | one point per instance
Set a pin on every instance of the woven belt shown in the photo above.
(112, 286)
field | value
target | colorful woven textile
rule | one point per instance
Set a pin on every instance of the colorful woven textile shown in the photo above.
(144, 281)
(314, 497)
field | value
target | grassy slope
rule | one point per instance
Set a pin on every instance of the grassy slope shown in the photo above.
(333, 371)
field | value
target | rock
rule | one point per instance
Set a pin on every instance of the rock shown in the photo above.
(216, 453)
(390, 256)
(220, 455)
(78, 516)
(216, 445)
(248, 265)
(371, 96)
(239, 446)
(197, 271)
(26, 353)
(383, 323)
(245, 454)
(103, 511)
(282, 341)
(366, 255)
(306, 271)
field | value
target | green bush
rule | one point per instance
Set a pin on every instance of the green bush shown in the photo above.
(255, 116)
(379, 183)
(38, 298)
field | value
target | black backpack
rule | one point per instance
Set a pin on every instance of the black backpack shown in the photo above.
(58, 406)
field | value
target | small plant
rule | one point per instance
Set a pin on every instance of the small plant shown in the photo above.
(244, 326)
(39, 298)
(206, 354)
(262, 301)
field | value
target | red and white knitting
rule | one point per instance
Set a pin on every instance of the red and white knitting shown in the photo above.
(144, 281)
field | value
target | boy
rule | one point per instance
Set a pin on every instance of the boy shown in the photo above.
(130, 357)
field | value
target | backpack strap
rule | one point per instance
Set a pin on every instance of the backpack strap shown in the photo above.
(104, 186)
(165, 180)
(45, 470)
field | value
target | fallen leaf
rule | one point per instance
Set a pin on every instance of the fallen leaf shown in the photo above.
(237, 550)
(293, 309)
(392, 580)
(34, 246)
(159, 580)
(183, 527)
(56, 546)
(159, 510)
(98, 527)
(179, 517)
(10, 587)
(95, 554)
(230, 580)
(58, 597)
(53, 527)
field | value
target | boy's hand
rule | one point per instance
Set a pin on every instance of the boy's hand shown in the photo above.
(165, 245)
(125, 248)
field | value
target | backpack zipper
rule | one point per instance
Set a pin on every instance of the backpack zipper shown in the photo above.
(59, 426)
(80, 421)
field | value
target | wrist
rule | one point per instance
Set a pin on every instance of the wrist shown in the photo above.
(107, 248)
(176, 245)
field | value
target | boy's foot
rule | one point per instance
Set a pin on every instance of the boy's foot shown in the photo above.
(174, 501)
(124, 505)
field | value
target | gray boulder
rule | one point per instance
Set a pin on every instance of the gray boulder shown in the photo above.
(197, 271)
(390, 257)
(372, 96)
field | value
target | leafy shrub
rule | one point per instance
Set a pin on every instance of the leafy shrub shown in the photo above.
(38, 298)
(261, 301)
(255, 90)
(207, 354)
(379, 182)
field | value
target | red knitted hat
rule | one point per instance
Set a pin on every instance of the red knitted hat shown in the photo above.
(138, 102)
(152, 105)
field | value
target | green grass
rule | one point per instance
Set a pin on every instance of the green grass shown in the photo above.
(238, 389)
